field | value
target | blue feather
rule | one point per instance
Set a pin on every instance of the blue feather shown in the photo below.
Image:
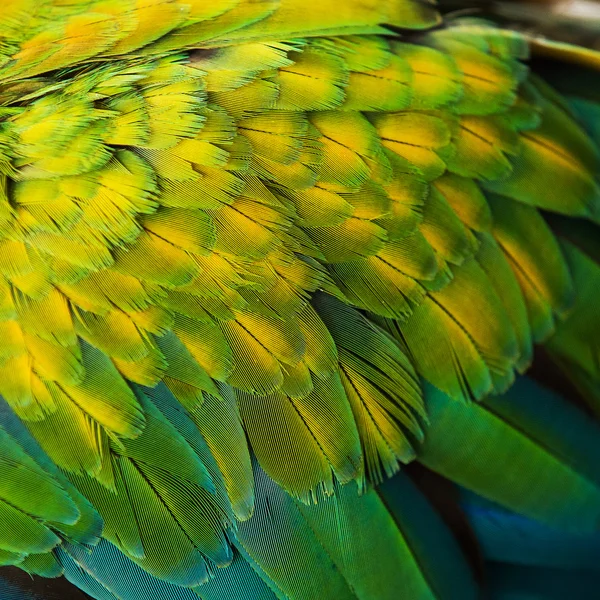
(505, 536)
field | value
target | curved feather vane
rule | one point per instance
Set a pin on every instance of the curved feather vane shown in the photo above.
(235, 238)
(575, 346)
(345, 561)
(508, 537)
(553, 469)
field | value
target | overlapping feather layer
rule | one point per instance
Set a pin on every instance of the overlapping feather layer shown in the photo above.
(237, 229)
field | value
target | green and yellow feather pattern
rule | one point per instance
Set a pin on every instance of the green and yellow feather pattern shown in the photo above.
(236, 236)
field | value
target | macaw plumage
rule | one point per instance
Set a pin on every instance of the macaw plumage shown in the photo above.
(258, 255)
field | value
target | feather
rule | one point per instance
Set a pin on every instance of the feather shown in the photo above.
(235, 237)
(565, 159)
(548, 468)
(473, 350)
(507, 537)
(546, 284)
(345, 553)
(381, 387)
(574, 345)
(163, 501)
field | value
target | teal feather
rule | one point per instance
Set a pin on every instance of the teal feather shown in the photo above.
(549, 453)
(505, 536)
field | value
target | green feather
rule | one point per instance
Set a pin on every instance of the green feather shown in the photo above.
(549, 470)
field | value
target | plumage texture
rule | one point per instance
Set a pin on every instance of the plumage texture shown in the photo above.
(235, 238)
